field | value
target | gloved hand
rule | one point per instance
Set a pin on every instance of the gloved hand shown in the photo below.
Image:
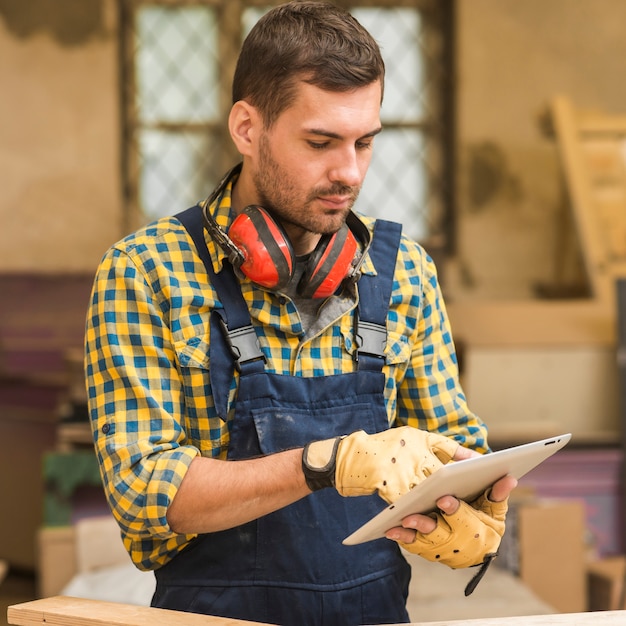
(391, 462)
(464, 538)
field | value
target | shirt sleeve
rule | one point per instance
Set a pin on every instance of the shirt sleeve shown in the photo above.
(430, 395)
(136, 405)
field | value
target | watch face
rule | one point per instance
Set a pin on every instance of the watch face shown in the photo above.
(318, 463)
(319, 455)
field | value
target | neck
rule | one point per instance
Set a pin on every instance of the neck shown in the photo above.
(241, 195)
(303, 241)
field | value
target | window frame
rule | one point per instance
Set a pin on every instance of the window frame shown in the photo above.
(439, 128)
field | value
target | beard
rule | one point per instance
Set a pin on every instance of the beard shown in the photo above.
(290, 204)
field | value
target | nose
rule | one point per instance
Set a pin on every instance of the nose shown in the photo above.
(349, 168)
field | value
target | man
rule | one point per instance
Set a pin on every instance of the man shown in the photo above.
(247, 420)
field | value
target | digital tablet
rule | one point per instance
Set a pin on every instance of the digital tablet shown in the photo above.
(465, 480)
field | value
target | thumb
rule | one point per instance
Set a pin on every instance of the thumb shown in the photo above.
(464, 453)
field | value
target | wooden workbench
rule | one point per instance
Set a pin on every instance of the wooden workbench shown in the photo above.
(64, 611)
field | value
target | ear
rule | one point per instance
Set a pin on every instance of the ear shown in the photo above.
(244, 124)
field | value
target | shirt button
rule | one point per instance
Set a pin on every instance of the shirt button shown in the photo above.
(106, 429)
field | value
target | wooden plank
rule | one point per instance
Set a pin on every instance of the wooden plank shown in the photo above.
(64, 611)
(581, 195)
(598, 122)
(600, 618)
(592, 148)
(527, 323)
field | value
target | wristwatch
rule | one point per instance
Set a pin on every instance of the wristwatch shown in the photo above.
(318, 463)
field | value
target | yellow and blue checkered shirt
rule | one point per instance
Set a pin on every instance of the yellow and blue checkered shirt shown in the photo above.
(147, 367)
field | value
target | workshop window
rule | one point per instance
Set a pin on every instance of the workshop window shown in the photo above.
(178, 61)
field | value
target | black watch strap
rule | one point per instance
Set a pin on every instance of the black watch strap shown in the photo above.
(320, 477)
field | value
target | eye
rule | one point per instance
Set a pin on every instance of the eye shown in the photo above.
(364, 145)
(318, 145)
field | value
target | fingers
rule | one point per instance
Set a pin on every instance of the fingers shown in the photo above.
(499, 492)
(463, 453)
(449, 506)
(422, 523)
(444, 448)
(461, 539)
(402, 535)
(406, 533)
(502, 488)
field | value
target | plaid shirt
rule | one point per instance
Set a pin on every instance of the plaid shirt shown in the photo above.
(147, 365)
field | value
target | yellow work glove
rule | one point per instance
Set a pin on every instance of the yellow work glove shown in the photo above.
(391, 462)
(469, 537)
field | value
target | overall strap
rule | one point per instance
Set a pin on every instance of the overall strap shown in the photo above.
(233, 340)
(225, 283)
(370, 321)
(234, 320)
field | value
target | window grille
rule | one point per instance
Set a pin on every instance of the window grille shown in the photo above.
(178, 60)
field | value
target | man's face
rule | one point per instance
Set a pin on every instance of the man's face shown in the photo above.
(310, 165)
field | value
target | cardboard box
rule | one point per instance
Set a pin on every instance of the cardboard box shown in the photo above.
(56, 548)
(525, 367)
(529, 392)
(592, 476)
(91, 544)
(27, 437)
(544, 545)
(605, 584)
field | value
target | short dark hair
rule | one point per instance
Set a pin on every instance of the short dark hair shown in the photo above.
(311, 41)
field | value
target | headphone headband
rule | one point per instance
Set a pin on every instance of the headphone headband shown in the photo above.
(223, 240)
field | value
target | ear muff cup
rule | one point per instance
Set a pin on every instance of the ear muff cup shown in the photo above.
(268, 258)
(328, 264)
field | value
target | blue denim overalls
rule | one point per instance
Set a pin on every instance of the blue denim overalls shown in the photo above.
(290, 567)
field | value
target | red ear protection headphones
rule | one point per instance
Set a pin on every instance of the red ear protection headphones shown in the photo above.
(259, 248)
